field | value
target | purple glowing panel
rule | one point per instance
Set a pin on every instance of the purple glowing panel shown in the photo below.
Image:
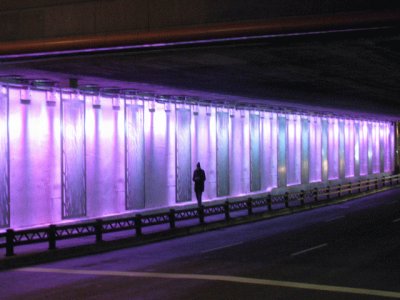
(4, 160)
(363, 135)
(35, 164)
(255, 171)
(342, 150)
(382, 144)
(222, 153)
(282, 151)
(183, 156)
(160, 159)
(389, 147)
(204, 148)
(333, 149)
(105, 164)
(357, 149)
(135, 157)
(350, 154)
(305, 150)
(73, 156)
(370, 147)
(375, 148)
(293, 159)
(315, 149)
(324, 149)
(269, 152)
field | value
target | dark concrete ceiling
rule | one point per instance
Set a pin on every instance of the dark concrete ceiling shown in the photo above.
(357, 72)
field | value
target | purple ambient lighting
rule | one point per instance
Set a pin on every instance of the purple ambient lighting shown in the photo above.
(97, 141)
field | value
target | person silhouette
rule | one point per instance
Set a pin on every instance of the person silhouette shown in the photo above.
(199, 177)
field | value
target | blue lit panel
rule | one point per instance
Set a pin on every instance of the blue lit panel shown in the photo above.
(73, 158)
(255, 171)
(4, 160)
(222, 154)
(305, 151)
(183, 156)
(282, 135)
(342, 147)
(135, 157)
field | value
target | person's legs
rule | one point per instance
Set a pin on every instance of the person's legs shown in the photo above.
(198, 197)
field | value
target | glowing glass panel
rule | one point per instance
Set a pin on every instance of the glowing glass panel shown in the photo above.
(4, 160)
(315, 156)
(73, 155)
(222, 153)
(255, 172)
(282, 151)
(183, 156)
(305, 150)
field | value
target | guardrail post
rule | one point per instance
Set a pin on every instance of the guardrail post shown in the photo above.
(98, 227)
(328, 192)
(10, 242)
(351, 188)
(339, 190)
(302, 194)
(249, 204)
(376, 183)
(315, 194)
(52, 237)
(171, 217)
(138, 225)
(368, 183)
(286, 197)
(226, 210)
(359, 186)
(269, 202)
(201, 214)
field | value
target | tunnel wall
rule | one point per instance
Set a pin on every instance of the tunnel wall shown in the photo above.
(80, 156)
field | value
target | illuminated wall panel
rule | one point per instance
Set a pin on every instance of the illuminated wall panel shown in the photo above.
(375, 148)
(269, 147)
(204, 148)
(315, 150)
(73, 156)
(363, 144)
(350, 154)
(255, 162)
(222, 153)
(293, 158)
(342, 149)
(135, 156)
(324, 149)
(282, 151)
(160, 159)
(4, 159)
(105, 158)
(183, 156)
(357, 148)
(333, 149)
(35, 165)
(305, 150)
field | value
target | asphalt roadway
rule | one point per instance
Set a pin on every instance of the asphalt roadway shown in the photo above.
(344, 251)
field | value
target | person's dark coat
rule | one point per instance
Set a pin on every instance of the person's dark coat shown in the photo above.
(199, 177)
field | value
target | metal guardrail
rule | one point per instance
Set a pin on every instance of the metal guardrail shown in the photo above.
(53, 233)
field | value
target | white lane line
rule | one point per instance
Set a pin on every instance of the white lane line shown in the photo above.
(232, 279)
(334, 219)
(309, 249)
(222, 247)
(396, 220)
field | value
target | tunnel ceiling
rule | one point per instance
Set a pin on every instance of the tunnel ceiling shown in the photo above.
(356, 72)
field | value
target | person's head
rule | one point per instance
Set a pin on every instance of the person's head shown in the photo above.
(198, 165)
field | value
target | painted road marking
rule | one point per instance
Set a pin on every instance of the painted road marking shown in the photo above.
(309, 249)
(232, 279)
(334, 219)
(396, 220)
(222, 247)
